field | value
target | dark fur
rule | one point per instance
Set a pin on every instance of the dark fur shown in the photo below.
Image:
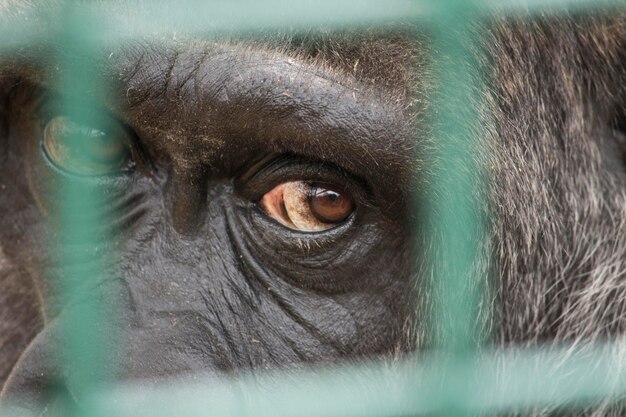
(553, 120)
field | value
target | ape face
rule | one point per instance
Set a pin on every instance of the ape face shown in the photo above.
(258, 197)
(255, 208)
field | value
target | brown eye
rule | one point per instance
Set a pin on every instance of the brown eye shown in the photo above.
(307, 206)
(85, 150)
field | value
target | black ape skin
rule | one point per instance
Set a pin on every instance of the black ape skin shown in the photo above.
(206, 281)
(210, 284)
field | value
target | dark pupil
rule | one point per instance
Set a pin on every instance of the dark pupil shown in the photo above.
(329, 206)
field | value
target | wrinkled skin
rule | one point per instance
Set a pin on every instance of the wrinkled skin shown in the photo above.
(207, 283)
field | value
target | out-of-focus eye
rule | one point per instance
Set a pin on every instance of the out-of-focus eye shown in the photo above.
(85, 150)
(306, 206)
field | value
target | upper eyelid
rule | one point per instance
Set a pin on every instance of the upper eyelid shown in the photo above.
(50, 106)
(294, 168)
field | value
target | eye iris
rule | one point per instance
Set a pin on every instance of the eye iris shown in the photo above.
(84, 150)
(329, 205)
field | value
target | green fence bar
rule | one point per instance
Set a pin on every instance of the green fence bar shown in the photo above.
(453, 222)
(120, 22)
(504, 381)
(456, 380)
(452, 197)
(84, 246)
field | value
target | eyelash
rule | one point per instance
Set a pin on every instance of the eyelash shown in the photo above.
(260, 178)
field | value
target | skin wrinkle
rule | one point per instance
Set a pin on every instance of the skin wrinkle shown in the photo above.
(215, 88)
(275, 291)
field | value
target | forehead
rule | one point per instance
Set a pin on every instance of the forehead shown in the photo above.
(207, 94)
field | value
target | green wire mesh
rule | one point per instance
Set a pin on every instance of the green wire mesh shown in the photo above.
(454, 381)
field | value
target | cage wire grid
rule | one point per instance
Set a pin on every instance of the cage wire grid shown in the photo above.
(456, 380)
